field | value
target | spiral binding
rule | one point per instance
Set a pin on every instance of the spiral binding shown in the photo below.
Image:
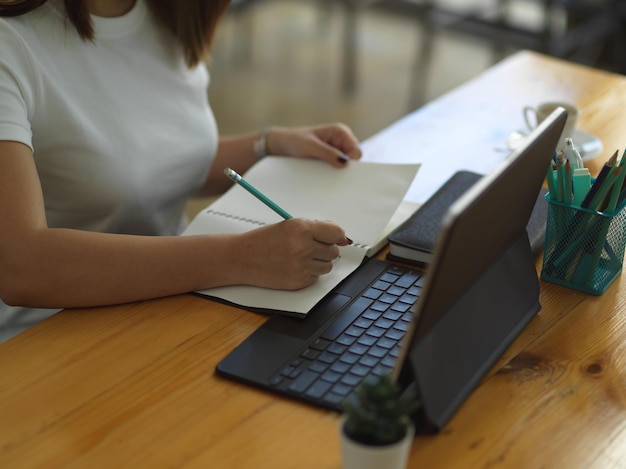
(260, 223)
(235, 217)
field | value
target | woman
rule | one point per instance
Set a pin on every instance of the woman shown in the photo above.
(105, 131)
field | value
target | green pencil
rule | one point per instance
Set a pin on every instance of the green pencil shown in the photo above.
(551, 183)
(617, 186)
(232, 175)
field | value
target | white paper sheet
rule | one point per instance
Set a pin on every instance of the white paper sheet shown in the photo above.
(361, 198)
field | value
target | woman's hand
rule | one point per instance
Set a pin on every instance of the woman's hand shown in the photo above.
(333, 143)
(288, 255)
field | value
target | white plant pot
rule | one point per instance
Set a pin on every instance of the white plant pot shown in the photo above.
(359, 456)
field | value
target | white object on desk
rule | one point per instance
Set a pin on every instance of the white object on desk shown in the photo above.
(589, 146)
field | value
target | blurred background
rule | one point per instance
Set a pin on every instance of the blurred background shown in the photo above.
(367, 63)
(286, 62)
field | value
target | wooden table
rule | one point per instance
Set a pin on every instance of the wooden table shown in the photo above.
(133, 385)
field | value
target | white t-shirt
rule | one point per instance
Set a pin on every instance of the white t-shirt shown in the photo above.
(121, 129)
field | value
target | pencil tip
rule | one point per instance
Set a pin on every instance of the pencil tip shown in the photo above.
(343, 159)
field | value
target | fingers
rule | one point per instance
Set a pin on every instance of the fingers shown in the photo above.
(325, 252)
(332, 143)
(345, 241)
(291, 254)
(338, 145)
(314, 245)
(329, 233)
(343, 139)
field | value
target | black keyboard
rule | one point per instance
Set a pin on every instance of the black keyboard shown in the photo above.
(363, 341)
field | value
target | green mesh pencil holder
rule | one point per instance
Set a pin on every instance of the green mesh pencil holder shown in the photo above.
(583, 249)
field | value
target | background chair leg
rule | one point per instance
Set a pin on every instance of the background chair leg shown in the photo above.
(350, 44)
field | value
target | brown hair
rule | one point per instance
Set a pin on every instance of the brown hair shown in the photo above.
(192, 22)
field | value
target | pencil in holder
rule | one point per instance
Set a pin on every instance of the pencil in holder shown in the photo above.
(583, 249)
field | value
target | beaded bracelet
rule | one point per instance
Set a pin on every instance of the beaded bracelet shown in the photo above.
(260, 142)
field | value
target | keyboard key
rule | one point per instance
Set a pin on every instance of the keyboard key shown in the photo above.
(366, 340)
(388, 298)
(408, 298)
(320, 344)
(347, 316)
(351, 380)
(381, 307)
(384, 323)
(340, 367)
(372, 293)
(342, 389)
(371, 314)
(401, 307)
(380, 285)
(318, 367)
(390, 277)
(349, 358)
(407, 279)
(386, 343)
(318, 389)
(381, 370)
(395, 290)
(363, 322)
(303, 381)
(378, 352)
(359, 349)
(376, 332)
(296, 362)
(346, 340)
(394, 334)
(310, 354)
(360, 370)
(331, 376)
(392, 315)
(327, 358)
(337, 349)
(369, 361)
(388, 361)
(355, 331)
(401, 326)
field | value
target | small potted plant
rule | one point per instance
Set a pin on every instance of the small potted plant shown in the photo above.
(376, 428)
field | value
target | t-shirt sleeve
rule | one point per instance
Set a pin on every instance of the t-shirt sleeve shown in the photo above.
(17, 87)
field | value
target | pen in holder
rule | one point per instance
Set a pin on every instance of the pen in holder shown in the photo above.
(584, 249)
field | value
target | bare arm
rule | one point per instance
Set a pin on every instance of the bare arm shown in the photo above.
(53, 267)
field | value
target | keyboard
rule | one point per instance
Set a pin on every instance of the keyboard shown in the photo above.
(363, 341)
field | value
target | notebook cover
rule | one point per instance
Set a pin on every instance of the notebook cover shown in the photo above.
(414, 240)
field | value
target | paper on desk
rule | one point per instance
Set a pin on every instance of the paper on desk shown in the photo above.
(298, 302)
(361, 198)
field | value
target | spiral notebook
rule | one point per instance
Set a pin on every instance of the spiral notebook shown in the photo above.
(362, 198)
